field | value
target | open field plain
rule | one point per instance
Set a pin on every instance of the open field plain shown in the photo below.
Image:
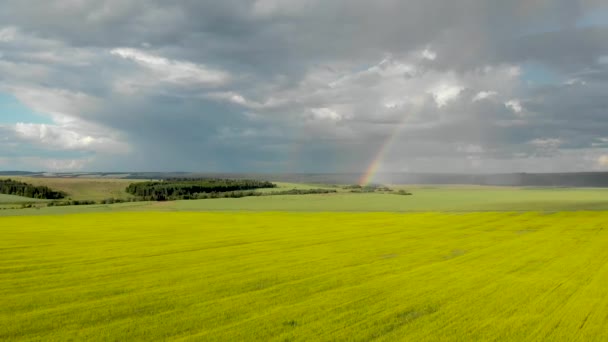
(453, 263)
(95, 189)
(305, 276)
(424, 198)
(10, 199)
(82, 188)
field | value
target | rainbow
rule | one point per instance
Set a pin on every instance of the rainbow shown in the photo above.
(373, 167)
(371, 170)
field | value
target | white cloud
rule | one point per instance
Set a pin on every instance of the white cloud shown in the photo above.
(174, 71)
(7, 34)
(325, 114)
(238, 99)
(280, 7)
(445, 93)
(514, 71)
(394, 104)
(75, 57)
(483, 95)
(429, 54)
(22, 72)
(45, 164)
(515, 106)
(392, 90)
(229, 96)
(390, 67)
(235, 134)
(548, 143)
(53, 164)
(62, 105)
(63, 138)
(233, 97)
(603, 160)
(470, 149)
(70, 131)
(575, 81)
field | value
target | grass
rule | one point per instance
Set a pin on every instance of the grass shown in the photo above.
(83, 188)
(95, 189)
(283, 186)
(305, 276)
(490, 267)
(425, 198)
(446, 199)
(12, 199)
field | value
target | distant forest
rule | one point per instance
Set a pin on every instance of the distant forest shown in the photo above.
(13, 187)
(185, 188)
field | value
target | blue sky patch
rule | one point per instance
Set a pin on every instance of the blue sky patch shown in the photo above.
(536, 74)
(13, 111)
(594, 19)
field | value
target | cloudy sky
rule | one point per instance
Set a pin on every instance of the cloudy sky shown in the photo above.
(304, 85)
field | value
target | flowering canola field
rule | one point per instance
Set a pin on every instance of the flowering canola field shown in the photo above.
(305, 276)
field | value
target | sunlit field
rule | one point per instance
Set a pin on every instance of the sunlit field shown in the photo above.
(82, 188)
(424, 198)
(10, 199)
(305, 276)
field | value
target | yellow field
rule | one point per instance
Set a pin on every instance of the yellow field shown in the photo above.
(305, 276)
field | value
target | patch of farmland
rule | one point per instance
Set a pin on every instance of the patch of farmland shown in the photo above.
(10, 199)
(444, 199)
(83, 188)
(305, 276)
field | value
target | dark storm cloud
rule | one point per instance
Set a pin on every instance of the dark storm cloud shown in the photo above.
(271, 32)
(312, 85)
(570, 49)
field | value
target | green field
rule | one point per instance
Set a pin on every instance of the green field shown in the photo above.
(11, 199)
(83, 188)
(96, 189)
(451, 199)
(453, 263)
(305, 276)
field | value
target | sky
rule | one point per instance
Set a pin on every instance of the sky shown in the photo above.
(274, 86)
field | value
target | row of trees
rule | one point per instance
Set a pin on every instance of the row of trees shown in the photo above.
(367, 188)
(13, 187)
(304, 192)
(204, 195)
(175, 189)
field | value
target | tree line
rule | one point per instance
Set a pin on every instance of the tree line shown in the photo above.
(203, 195)
(185, 188)
(13, 187)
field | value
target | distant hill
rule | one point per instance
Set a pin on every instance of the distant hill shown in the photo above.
(579, 179)
(18, 173)
(575, 179)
